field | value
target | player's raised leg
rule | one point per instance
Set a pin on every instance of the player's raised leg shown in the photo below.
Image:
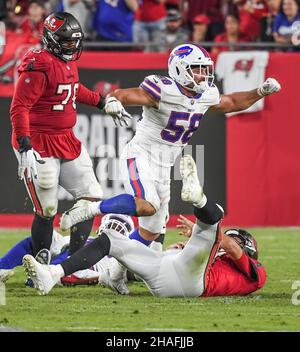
(203, 244)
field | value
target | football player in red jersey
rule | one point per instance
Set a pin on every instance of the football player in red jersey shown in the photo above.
(43, 113)
(194, 269)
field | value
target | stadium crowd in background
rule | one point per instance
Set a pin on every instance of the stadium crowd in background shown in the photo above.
(159, 25)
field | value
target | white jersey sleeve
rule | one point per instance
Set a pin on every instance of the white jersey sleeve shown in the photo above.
(152, 85)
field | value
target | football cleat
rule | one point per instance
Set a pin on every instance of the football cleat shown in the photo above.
(81, 211)
(39, 274)
(5, 274)
(43, 257)
(82, 277)
(191, 191)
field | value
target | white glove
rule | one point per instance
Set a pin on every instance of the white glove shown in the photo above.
(28, 160)
(269, 86)
(114, 108)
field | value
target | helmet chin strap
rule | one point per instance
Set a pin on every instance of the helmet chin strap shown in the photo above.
(67, 57)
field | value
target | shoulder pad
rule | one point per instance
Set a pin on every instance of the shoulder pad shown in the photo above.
(35, 60)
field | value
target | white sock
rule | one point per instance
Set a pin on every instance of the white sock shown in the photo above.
(202, 202)
(57, 272)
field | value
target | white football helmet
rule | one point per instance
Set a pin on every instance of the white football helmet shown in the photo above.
(186, 57)
(118, 222)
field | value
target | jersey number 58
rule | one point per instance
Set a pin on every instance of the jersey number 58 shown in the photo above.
(174, 132)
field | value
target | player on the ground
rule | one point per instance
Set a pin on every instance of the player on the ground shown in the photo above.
(172, 110)
(192, 271)
(58, 252)
(43, 113)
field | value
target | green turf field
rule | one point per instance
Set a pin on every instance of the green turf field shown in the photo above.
(98, 309)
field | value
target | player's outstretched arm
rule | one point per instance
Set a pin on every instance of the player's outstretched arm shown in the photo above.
(129, 97)
(239, 101)
(134, 97)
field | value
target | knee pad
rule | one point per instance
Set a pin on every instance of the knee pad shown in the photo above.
(47, 177)
(49, 209)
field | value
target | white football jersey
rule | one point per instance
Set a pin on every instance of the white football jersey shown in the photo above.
(169, 127)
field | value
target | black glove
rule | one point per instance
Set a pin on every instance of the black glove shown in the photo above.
(24, 144)
(101, 103)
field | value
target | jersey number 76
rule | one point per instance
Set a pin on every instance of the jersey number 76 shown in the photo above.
(70, 94)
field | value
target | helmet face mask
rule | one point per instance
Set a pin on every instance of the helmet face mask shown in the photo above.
(191, 67)
(62, 36)
(245, 240)
(118, 222)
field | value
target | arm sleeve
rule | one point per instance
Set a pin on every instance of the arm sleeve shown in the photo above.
(29, 88)
(88, 97)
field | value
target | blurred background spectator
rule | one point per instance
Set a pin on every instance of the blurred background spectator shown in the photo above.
(113, 20)
(82, 10)
(174, 34)
(150, 22)
(200, 29)
(160, 25)
(287, 22)
(212, 9)
(250, 13)
(33, 23)
(231, 35)
(267, 22)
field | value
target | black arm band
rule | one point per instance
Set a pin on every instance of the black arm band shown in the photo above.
(24, 144)
(101, 103)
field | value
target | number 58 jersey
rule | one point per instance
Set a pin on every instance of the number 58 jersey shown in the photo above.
(172, 124)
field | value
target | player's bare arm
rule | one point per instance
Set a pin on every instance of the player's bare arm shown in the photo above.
(134, 97)
(128, 97)
(239, 101)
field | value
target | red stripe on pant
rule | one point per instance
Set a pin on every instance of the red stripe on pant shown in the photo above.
(212, 255)
(33, 195)
(133, 178)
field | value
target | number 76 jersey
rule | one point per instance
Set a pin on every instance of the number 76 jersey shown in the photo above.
(177, 117)
(54, 108)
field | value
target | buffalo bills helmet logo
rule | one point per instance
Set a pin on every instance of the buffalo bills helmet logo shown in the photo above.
(181, 52)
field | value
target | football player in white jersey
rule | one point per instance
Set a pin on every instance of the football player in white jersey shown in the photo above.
(172, 109)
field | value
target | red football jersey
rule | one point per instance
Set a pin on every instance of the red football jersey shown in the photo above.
(228, 277)
(44, 107)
